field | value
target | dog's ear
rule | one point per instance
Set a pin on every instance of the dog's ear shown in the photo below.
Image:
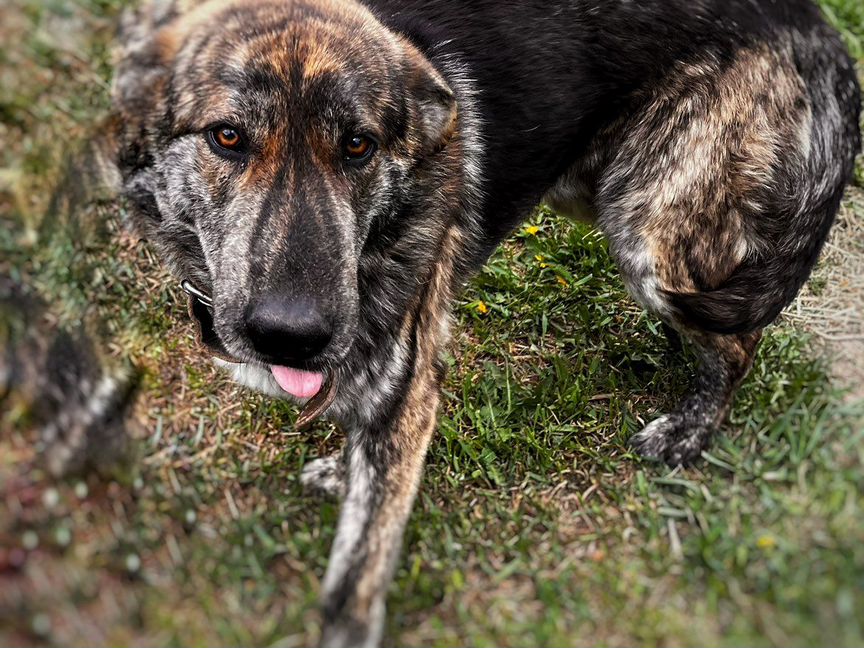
(138, 96)
(434, 101)
(144, 52)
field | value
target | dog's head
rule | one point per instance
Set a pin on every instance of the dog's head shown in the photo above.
(261, 142)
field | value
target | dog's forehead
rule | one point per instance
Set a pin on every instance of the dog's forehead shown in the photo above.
(286, 46)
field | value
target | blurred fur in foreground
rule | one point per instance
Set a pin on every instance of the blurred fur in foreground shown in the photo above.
(54, 382)
(58, 383)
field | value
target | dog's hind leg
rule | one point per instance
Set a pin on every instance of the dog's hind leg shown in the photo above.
(716, 196)
(680, 436)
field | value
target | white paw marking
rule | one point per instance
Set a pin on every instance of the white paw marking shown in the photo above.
(654, 428)
(325, 474)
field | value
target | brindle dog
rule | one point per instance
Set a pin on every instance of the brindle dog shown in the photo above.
(325, 174)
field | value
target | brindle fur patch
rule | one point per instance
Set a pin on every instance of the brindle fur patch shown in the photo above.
(717, 138)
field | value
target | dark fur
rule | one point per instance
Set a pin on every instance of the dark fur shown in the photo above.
(710, 140)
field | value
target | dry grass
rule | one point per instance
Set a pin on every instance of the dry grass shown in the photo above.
(832, 304)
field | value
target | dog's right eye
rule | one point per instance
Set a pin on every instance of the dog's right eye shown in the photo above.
(227, 141)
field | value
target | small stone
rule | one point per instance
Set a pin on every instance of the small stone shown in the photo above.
(50, 498)
(81, 490)
(63, 536)
(133, 563)
(30, 540)
(41, 624)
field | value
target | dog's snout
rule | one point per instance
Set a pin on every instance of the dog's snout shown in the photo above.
(288, 330)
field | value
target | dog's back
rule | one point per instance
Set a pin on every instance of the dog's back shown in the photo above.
(550, 75)
(636, 99)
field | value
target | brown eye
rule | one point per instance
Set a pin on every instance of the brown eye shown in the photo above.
(227, 137)
(358, 148)
(227, 141)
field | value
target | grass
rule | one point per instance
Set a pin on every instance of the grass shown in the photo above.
(848, 17)
(535, 524)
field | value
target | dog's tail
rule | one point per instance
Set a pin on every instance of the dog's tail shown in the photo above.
(798, 211)
(731, 307)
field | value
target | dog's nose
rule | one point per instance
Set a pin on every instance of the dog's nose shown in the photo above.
(288, 330)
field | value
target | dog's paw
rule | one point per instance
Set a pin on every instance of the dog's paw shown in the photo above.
(325, 476)
(671, 438)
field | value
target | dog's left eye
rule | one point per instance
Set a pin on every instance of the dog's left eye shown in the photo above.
(227, 141)
(358, 148)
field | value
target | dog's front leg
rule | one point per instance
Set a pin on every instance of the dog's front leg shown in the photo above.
(384, 461)
(384, 468)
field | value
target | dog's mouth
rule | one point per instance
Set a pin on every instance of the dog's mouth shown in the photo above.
(201, 311)
(320, 390)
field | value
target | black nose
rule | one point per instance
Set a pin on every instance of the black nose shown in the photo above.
(288, 330)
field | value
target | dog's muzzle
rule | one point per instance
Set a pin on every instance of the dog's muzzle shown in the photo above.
(201, 310)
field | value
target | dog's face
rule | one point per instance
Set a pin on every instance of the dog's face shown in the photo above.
(262, 142)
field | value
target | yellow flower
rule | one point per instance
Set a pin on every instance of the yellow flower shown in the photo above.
(539, 257)
(482, 308)
(532, 230)
(766, 542)
(562, 281)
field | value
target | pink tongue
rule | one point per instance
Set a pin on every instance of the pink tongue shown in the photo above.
(300, 384)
